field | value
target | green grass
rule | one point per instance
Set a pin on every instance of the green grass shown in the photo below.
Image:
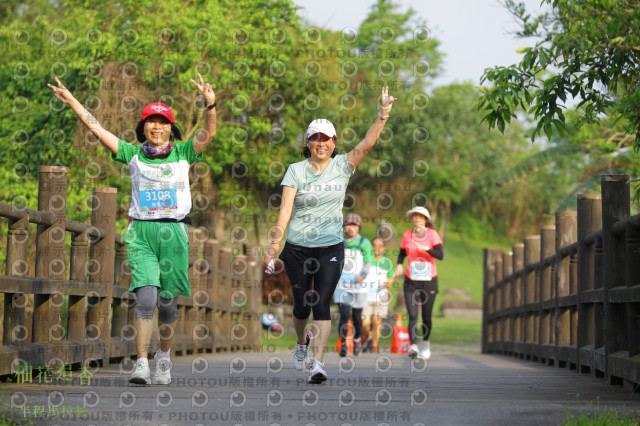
(462, 266)
(608, 418)
(9, 416)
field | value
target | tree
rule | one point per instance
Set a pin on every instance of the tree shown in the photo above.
(578, 158)
(589, 50)
(118, 57)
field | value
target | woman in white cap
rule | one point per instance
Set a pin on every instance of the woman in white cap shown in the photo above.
(422, 245)
(157, 238)
(313, 192)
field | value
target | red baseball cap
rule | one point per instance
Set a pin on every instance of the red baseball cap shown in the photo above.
(158, 108)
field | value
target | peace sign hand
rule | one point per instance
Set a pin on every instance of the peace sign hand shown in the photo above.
(61, 92)
(386, 100)
(206, 90)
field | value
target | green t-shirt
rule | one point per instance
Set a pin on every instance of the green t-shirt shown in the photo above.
(381, 270)
(383, 267)
(317, 207)
(159, 186)
(357, 253)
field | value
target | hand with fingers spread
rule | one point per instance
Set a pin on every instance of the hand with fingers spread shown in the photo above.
(61, 92)
(205, 90)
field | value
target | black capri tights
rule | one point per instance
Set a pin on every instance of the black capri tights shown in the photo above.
(314, 275)
(419, 294)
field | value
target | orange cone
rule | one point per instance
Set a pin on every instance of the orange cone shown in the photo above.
(349, 339)
(400, 341)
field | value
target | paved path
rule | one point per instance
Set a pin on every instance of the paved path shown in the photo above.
(264, 389)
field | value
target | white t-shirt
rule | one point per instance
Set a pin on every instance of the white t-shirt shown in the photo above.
(159, 186)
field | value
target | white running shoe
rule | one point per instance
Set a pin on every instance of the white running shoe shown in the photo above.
(425, 350)
(317, 374)
(141, 374)
(162, 375)
(301, 354)
(413, 351)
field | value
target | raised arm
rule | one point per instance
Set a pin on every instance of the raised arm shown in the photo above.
(203, 137)
(286, 211)
(108, 139)
(362, 149)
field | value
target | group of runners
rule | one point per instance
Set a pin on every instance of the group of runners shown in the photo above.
(323, 261)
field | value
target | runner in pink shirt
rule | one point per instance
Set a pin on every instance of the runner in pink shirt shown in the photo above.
(422, 245)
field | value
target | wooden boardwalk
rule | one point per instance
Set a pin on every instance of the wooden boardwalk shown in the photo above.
(372, 389)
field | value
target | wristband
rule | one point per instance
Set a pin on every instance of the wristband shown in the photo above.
(382, 117)
(212, 106)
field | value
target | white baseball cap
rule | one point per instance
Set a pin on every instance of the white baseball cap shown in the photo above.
(321, 125)
(421, 210)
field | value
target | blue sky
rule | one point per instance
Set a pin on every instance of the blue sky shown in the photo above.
(474, 34)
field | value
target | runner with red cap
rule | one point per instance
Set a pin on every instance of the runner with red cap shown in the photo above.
(313, 192)
(157, 237)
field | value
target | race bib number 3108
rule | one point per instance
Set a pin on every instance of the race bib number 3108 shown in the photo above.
(158, 199)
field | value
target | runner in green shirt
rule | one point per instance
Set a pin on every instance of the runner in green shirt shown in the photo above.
(157, 238)
(378, 281)
(351, 294)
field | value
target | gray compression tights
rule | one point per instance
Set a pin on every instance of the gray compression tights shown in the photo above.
(147, 301)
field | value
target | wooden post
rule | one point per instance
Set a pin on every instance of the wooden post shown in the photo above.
(565, 236)
(120, 332)
(547, 248)
(101, 269)
(566, 225)
(239, 303)
(77, 324)
(50, 253)
(223, 312)
(546, 313)
(633, 280)
(531, 256)
(495, 302)
(518, 296)
(489, 276)
(507, 299)
(211, 252)
(589, 221)
(15, 330)
(507, 270)
(615, 206)
(254, 257)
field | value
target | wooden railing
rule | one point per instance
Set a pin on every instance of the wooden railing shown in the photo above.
(87, 284)
(570, 297)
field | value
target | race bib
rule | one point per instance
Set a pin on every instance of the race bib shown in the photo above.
(158, 199)
(421, 271)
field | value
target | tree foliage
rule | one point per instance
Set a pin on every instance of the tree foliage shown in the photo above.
(589, 51)
(272, 74)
